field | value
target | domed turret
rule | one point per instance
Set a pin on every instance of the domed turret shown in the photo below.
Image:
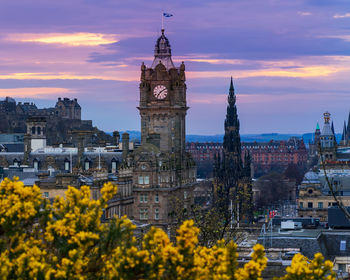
(162, 53)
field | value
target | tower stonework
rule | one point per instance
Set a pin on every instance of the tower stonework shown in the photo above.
(36, 130)
(163, 101)
(163, 173)
(327, 140)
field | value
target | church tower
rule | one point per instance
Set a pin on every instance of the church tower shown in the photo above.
(163, 101)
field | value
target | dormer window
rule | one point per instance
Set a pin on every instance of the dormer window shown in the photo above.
(36, 164)
(342, 245)
(87, 164)
(114, 165)
(66, 165)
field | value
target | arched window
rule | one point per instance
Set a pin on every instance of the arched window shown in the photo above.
(33, 130)
(38, 129)
(16, 162)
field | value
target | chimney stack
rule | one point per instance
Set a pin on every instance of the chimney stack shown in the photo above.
(125, 141)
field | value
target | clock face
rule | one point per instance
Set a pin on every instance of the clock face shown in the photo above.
(160, 92)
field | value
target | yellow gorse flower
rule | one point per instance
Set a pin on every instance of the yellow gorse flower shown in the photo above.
(66, 240)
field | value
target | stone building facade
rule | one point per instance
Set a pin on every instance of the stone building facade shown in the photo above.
(162, 173)
(333, 166)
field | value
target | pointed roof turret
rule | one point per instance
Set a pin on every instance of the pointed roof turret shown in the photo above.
(348, 129)
(162, 52)
(343, 137)
(317, 126)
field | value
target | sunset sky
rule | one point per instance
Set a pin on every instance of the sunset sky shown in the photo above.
(290, 59)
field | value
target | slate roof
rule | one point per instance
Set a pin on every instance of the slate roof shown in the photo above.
(12, 148)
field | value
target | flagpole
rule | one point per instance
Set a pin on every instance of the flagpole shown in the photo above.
(162, 21)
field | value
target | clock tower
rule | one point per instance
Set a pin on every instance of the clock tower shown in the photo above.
(163, 173)
(163, 101)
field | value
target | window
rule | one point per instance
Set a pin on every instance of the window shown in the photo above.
(143, 198)
(46, 194)
(66, 165)
(310, 191)
(185, 194)
(301, 205)
(143, 214)
(156, 198)
(342, 267)
(342, 245)
(143, 180)
(87, 165)
(320, 205)
(36, 164)
(114, 165)
(156, 214)
(309, 205)
(146, 180)
(16, 163)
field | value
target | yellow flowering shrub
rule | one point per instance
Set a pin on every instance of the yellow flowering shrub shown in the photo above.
(303, 268)
(66, 240)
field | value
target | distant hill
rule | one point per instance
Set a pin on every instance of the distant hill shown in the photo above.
(309, 137)
(265, 137)
(244, 137)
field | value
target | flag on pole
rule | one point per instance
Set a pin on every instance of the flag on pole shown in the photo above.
(167, 15)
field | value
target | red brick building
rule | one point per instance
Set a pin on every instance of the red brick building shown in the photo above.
(277, 152)
(204, 151)
(265, 155)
